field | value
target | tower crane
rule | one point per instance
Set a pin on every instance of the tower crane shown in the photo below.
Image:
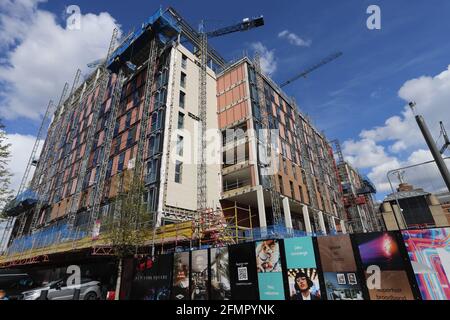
(244, 25)
(310, 69)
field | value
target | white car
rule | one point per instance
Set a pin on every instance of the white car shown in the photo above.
(58, 290)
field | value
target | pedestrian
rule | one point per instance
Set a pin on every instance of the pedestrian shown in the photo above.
(3, 295)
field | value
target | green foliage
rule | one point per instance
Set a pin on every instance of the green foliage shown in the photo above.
(5, 176)
(129, 225)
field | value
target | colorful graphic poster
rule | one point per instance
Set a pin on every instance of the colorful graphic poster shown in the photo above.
(199, 275)
(381, 250)
(268, 264)
(302, 274)
(336, 254)
(429, 252)
(180, 286)
(220, 274)
(343, 286)
(243, 272)
(152, 277)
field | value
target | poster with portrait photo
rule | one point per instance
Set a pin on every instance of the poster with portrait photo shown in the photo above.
(151, 280)
(180, 284)
(199, 275)
(303, 284)
(220, 274)
(337, 290)
(268, 264)
(268, 258)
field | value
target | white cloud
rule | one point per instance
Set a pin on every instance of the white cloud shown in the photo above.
(21, 146)
(399, 143)
(268, 61)
(41, 55)
(294, 39)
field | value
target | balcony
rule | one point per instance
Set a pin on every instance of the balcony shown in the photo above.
(235, 184)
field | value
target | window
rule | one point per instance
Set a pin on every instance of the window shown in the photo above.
(300, 190)
(136, 98)
(118, 143)
(121, 161)
(109, 168)
(294, 172)
(116, 128)
(152, 169)
(285, 166)
(291, 184)
(180, 120)
(183, 80)
(153, 145)
(151, 204)
(179, 145)
(128, 120)
(131, 136)
(182, 99)
(280, 181)
(178, 171)
(154, 122)
(183, 61)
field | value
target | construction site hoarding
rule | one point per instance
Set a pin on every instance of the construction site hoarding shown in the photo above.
(181, 275)
(270, 269)
(220, 274)
(339, 268)
(244, 281)
(381, 252)
(152, 277)
(199, 275)
(429, 253)
(302, 273)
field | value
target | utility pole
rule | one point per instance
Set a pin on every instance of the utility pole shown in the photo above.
(432, 146)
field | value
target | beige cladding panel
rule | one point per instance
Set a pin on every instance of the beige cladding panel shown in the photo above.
(184, 195)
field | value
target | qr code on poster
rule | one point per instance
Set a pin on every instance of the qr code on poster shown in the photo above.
(242, 274)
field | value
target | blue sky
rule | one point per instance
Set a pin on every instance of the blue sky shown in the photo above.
(359, 91)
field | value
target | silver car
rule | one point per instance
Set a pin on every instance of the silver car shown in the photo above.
(58, 290)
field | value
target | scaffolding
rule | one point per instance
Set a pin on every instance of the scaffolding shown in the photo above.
(219, 227)
(269, 153)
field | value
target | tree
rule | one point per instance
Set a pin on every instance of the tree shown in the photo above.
(5, 176)
(128, 225)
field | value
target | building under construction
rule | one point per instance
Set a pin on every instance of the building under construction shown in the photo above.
(144, 112)
(361, 212)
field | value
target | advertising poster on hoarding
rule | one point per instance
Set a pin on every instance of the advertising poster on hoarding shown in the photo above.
(151, 280)
(302, 274)
(382, 250)
(180, 285)
(429, 253)
(343, 286)
(220, 274)
(339, 268)
(268, 264)
(336, 253)
(244, 285)
(199, 275)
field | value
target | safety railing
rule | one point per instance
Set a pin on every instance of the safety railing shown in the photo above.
(235, 184)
